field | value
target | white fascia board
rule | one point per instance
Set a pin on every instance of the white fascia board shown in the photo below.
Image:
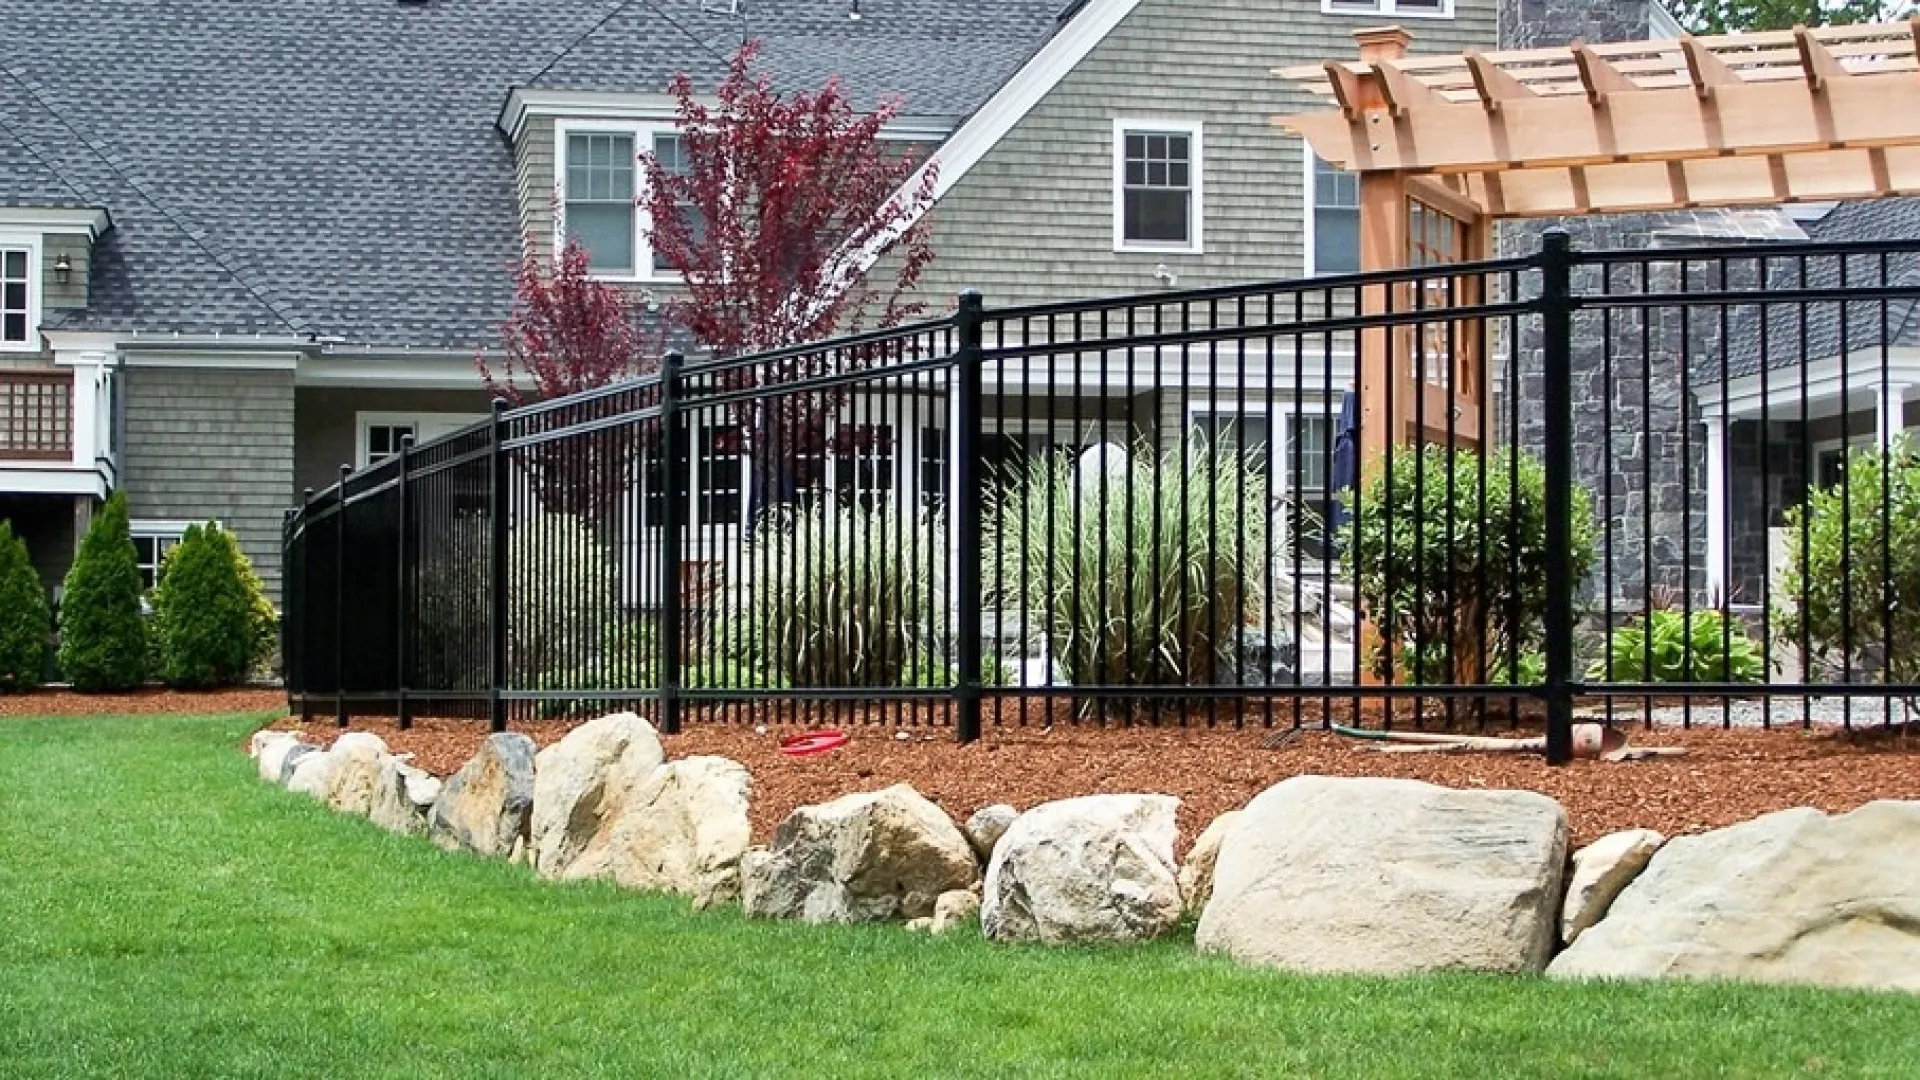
(444, 371)
(524, 103)
(1819, 381)
(89, 222)
(80, 341)
(213, 358)
(18, 478)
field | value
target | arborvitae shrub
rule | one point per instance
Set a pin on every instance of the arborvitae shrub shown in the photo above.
(204, 613)
(23, 615)
(103, 639)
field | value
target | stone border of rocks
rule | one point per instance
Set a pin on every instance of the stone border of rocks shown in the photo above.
(1413, 878)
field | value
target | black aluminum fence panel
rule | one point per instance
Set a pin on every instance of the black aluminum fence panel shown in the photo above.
(1151, 509)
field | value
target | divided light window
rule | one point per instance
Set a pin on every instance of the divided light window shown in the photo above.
(16, 312)
(600, 199)
(151, 542)
(1158, 201)
(671, 152)
(384, 440)
(1336, 219)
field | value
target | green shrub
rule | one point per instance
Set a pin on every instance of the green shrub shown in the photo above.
(206, 612)
(103, 638)
(1429, 666)
(562, 596)
(23, 615)
(1462, 539)
(1142, 574)
(1851, 585)
(844, 596)
(1668, 646)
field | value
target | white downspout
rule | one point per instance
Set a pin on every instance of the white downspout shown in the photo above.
(1717, 479)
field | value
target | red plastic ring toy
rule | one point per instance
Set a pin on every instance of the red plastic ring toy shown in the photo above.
(813, 742)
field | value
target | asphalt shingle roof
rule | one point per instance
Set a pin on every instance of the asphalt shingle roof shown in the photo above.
(332, 167)
(1869, 321)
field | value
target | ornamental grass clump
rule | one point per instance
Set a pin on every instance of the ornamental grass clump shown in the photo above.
(1133, 568)
(23, 615)
(103, 636)
(1450, 562)
(1850, 589)
(843, 595)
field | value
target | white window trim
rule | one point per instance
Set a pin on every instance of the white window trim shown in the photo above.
(426, 427)
(1385, 7)
(643, 133)
(32, 244)
(170, 530)
(1289, 410)
(1196, 212)
(1309, 210)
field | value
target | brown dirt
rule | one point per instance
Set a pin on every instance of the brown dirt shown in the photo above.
(1728, 776)
(142, 703)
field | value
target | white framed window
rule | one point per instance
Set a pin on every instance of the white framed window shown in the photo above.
(1158, 198)
(152, 540)
(381, 433)
(1299, 464)
(1412, 9)
(1332, 218)
(1830, 458)
(19, 292)
(600, 193)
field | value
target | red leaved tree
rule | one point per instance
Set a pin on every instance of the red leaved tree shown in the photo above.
(777, 210)
(568, 333)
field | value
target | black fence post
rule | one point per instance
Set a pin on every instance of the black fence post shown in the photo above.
(497, 570)
(289, 678)
(1556, 316)
(969, 508)
(673, 512)
(304, 613)
(403, 612)
(340, 601)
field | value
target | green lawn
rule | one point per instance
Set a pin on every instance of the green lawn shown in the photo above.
(163, 915)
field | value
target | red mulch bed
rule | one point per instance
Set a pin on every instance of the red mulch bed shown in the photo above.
(143, 702)
(1729, 776)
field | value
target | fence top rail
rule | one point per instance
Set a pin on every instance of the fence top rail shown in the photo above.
(905, 332)
(1285, 287)
(1749, 251)
(537, 409)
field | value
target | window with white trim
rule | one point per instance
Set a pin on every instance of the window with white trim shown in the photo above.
(1157, 186)
(385, 440)
(1416, 9)
(602, 193)
(18, 294)
(1333, 218)
(381, 434)
(151, 542)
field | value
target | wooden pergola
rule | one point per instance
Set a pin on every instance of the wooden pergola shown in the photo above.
(1444, 146)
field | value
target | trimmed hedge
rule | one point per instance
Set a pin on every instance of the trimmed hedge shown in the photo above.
(208, 612)
(103, 639)
(23, 615)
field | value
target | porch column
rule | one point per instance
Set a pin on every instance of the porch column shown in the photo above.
(1890, 413)
(1717, 482)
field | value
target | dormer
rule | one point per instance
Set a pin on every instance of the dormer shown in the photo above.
(45, 255)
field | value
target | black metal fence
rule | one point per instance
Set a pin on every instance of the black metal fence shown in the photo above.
(1652, 485)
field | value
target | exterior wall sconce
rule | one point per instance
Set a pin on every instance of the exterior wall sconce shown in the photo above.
(62, 268)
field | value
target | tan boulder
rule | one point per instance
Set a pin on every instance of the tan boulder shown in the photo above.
(1094, 868)
(484, 807)
(869, 857)
(684, 831)
(955, 909)
(1389, 876)
(1600, 871)
(580, 785)
(402, 795)
(1196, 873)
(1793, 897)
(357, 759)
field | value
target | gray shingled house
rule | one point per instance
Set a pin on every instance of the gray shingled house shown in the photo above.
(242, 245)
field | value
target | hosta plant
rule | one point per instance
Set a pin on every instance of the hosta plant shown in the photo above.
(1669, 646)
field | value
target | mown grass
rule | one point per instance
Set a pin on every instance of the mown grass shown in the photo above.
(164, 915)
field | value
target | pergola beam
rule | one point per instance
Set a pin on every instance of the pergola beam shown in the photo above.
(1492, 83)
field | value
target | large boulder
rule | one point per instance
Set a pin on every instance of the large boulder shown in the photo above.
(290, 764)
(1196, 874)
(860, 858)
(270, 751)
(580, 784)
(310, 773)
(987, 825)
(1793, 897)
(357, 758)
(1600, 871)
(1095, 868)
(684, 830)
(485, 806)
(1389, 876)
(402, 795)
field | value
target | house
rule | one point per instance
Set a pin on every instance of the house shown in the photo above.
(270, 242)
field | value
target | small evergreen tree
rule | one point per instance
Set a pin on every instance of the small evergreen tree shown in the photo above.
(103, 639)
(23, 615)
(204, 613)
